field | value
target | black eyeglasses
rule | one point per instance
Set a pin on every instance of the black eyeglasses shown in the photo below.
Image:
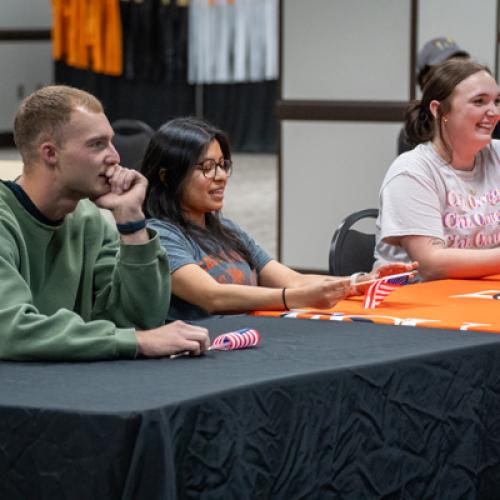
(209, 167)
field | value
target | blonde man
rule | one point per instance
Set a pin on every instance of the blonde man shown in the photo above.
(72, 287)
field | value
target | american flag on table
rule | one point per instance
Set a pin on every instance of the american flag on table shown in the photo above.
(239, 339)
(380, 289)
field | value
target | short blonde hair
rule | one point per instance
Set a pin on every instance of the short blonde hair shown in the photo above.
(43, 114)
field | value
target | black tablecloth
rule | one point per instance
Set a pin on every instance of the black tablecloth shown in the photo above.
(321, 409)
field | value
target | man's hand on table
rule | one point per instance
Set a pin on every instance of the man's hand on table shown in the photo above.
(173, 338)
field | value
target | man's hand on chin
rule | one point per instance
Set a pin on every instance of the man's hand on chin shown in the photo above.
(125, 199)
(127, 191)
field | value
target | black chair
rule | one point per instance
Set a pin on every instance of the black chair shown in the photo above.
(130, 140)
(352, 250)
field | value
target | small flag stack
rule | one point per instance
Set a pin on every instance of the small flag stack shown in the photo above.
(239, 339)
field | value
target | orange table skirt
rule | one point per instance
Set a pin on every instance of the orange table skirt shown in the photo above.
(454, 304)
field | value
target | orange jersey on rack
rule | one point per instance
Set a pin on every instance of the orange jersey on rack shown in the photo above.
(87, 34)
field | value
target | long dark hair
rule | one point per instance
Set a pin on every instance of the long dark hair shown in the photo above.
(420, 125)
(173, 150)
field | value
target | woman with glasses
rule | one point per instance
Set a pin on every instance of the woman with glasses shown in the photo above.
(216, 267)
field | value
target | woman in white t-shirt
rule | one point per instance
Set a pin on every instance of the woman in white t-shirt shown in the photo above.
(440, 202)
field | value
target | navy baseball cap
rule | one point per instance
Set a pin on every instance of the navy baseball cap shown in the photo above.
(438, 50)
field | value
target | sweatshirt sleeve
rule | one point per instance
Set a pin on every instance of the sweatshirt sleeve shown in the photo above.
(26, 334)
(132, 290)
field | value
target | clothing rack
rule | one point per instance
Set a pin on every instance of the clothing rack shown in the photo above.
(153, 40)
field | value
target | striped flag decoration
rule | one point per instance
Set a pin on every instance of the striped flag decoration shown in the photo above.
(380, 289)
(239, 339)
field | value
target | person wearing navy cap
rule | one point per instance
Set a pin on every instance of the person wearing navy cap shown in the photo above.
(434, 52)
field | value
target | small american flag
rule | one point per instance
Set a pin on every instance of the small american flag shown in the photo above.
(239, 339)
(379, 290)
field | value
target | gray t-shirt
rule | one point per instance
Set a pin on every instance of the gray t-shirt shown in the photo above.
(182, 250)
(422, 195)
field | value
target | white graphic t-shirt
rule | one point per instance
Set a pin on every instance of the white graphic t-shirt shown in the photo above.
(422, 195)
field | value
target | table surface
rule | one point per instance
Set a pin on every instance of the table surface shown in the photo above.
(289, 348)
(320, 410)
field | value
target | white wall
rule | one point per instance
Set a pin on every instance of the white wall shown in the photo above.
(19, 14)
(471, 23)
(337, 50)
(346, 49)
(26, 65)
(353, 50)
(332, 169)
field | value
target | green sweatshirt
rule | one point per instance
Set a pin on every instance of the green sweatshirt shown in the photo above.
(70, 291)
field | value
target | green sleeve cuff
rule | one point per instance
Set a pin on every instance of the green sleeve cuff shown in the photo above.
(126, 343)
(144, 253)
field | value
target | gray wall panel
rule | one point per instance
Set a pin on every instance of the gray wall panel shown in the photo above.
(471, 23)
(331, 169)
(25, 67)
(18, 14)
(338, 49)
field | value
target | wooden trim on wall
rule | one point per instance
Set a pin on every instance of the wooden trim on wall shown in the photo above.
(25, 35)
(366, 111)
